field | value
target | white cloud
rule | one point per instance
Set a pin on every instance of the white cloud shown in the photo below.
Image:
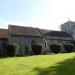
(59, 11)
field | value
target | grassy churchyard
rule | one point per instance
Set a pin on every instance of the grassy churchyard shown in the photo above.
(56, 64)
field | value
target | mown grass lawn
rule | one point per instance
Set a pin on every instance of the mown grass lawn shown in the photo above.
(57, 64)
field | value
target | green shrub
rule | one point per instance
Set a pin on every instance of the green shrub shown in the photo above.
(11, 49)
(55, 48)
(36, 49)
(68, 48)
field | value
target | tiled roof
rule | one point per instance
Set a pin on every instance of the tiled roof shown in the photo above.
(25, 31)
(54, 33)
(3, 33)
(59, 33)
(44, 31)
(29, 31)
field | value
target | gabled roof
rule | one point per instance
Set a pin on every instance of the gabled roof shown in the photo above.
(29, 31)
(54, 33)
(23, 31)
(3, 33)
(44, 31)
(58, 33)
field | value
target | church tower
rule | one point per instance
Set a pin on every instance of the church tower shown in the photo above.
(69, 27)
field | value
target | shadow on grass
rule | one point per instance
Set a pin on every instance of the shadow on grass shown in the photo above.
(3, 57)
(66, 67)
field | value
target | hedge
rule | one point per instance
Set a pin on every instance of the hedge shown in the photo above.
(36, 49)
(55, 48)
(68, 48)
(11, 49)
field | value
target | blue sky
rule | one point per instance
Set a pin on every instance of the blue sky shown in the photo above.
(21, 11)
(47, 14)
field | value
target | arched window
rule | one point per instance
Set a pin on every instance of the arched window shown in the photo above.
(45, 44)
(26, 50)
(33, 42)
